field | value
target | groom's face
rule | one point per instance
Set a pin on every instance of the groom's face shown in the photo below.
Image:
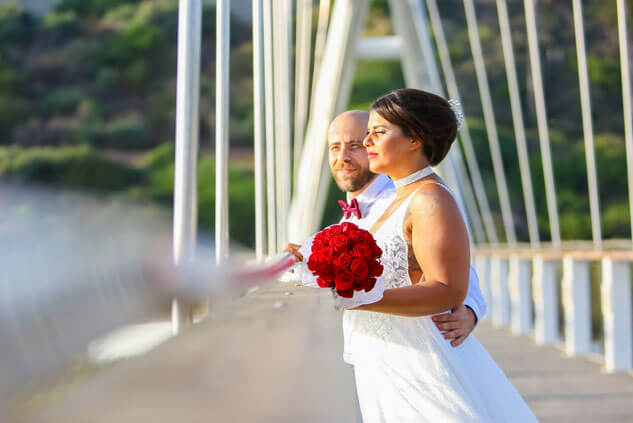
(346, 154)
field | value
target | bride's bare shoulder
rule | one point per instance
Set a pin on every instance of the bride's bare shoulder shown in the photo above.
(433, 201)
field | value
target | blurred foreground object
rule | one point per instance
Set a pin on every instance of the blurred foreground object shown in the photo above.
(75, 267)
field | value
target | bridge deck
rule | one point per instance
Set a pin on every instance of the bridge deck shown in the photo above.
(275, 356)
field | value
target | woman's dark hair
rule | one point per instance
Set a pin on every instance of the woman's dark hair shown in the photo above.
(423, 116)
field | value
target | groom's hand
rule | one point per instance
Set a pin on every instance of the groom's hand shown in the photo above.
(294, 250)
(457, 324)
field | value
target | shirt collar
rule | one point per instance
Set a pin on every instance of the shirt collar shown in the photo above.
(380, 183)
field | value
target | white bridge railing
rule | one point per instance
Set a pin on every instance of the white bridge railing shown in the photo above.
(547, 294)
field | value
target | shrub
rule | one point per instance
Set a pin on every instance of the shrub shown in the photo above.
(75, 167)
(126, 131)
(65, 24)
(17, 26)
(61, 101)
(160, 166)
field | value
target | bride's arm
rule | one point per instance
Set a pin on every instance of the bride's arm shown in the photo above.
(441, 247)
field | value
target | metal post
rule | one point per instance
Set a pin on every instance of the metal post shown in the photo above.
(587, 124)
(541, 119)
(223, 40)
(544, 285)
(577, 306)
(617, 314)
(489, 119)
(348, 17)
(500, 291)
(186, 160)
(520, 294)
(319, 44)
(626, 99)
(281, 20)
(302, 75)
(519, 127)
(469, 151)
(259, 130)
(269, 86)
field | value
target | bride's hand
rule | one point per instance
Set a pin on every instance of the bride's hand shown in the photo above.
(294, 250)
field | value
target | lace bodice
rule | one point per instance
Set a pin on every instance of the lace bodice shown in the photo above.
(390, 239)
(394, 260)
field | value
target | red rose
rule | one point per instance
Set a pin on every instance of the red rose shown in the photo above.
(344, 281)
(325, 283)
(370, 284)
(332, 231)
(349, 293)
(362, 251)
(313, 261)
(377, 250)
(375, 268)
(320, 236)
(326, 270)
(356, 236)
(319, 243)
(343, 262)
(339, 243)
(360, 269)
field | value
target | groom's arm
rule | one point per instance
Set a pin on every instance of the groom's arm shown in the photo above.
(475, 299)
(460, 322)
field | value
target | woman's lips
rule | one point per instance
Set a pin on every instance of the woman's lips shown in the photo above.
(371, 155)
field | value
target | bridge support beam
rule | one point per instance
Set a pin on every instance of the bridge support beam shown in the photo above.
(185, 221)
(545, 283)
(577, 306)
(521, 295)
(616, 311)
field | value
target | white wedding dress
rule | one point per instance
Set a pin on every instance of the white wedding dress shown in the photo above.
(407, 372)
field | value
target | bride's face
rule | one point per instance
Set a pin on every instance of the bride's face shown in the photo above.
(387, 145)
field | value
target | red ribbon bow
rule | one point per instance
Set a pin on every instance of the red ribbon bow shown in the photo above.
(350, 209)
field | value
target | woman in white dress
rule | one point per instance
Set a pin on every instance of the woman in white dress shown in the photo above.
(405, 370)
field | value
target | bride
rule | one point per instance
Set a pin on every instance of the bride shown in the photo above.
(405, 370)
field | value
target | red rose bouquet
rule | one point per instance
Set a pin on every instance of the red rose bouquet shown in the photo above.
(345, 257)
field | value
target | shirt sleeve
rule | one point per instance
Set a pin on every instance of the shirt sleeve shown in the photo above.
(474, 298)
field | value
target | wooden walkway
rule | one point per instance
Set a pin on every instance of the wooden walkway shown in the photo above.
(275, 356)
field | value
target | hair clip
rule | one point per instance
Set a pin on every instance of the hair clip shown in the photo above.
(456, 107)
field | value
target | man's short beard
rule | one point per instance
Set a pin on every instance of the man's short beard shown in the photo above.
(354, 184)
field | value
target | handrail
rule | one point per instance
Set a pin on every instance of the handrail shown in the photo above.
(619, 255)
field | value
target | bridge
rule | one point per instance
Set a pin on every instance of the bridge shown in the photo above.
(560, 319)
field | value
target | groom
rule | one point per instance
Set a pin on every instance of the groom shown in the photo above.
(369, 195)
